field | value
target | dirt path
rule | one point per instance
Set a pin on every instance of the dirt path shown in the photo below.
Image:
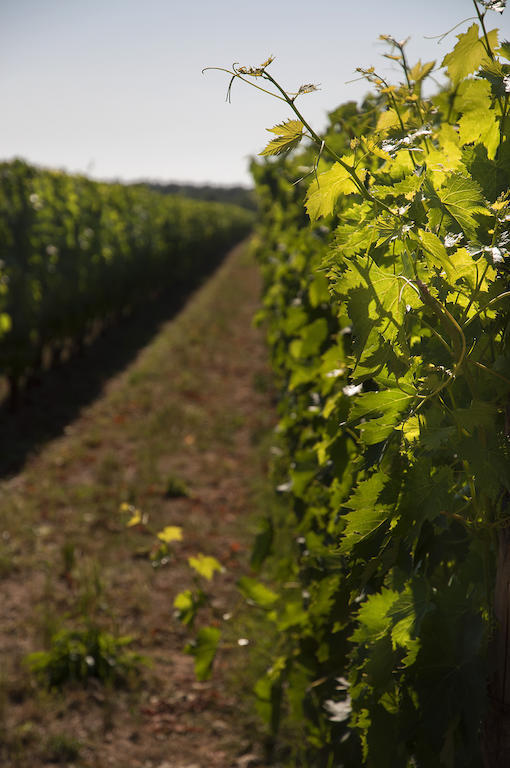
(192, 408)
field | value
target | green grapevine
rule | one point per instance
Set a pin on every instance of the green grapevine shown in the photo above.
(75, 253)
(387, 309)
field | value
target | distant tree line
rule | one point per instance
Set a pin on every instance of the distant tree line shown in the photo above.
(236, 195)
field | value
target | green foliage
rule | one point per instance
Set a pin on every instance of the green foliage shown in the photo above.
(322, 195)
(77, 655)
(386, 311)
(75, 253)
(469, 54)
(256, 592)
(203, 649)
(205, 565)
(288, 136)
(187, 605)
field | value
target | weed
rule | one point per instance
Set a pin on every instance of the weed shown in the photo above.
(68, 553)
(175, 488)
(3, 704)
(77, 655)
(6, 563)
(61, 748)
(91, 590)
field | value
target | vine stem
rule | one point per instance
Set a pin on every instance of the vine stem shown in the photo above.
(405, 67)
(475, 293)
(503, 295)
(244, 79)
(316, 137)
(481, 19)
(487, 45)
(321, 143)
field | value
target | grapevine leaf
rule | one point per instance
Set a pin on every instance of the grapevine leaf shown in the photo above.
(478, 121)
(311, 338)
(504, 49)
(187, 604)
(463, 264)
(480, 125)
(293, 615)
(437, 253)
(367, 492)
(432, 437)
(135, 519)
(411, 429)
(365, 515)
(408, 186)
(184, 605)
(432, 486)
(325, 191)
(388, 119)
(205, 565)
(421, 71)
(381, 412)
(256, 592)
(479, 414)
(493, 72)
(203, 649)
(371, 144)
(354, 236)
(447, 157)
(377, 301)
(373, 619)
(407, 613)
(462, 199)
(318, 290)
(288, 136)
(170, 533)
(469, 54)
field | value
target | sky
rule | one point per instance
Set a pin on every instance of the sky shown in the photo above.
(114, 88)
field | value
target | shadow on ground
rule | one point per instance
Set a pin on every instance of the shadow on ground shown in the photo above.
(56, 399)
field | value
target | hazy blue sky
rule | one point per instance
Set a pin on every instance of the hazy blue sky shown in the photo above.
(114, 87)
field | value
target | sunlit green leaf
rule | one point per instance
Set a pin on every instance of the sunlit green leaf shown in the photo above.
(288, 136)
(462, 198)
(469, 53)
(256, 592)
(323, 193)
(170, 533)
(205, 565)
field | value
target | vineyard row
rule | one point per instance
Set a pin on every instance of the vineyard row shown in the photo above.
(76, 253)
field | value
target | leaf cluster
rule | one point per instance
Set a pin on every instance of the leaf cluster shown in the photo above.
(386, 311)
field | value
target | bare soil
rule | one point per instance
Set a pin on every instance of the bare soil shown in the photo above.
(193, 405)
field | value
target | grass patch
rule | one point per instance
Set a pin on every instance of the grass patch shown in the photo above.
(61, 748)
